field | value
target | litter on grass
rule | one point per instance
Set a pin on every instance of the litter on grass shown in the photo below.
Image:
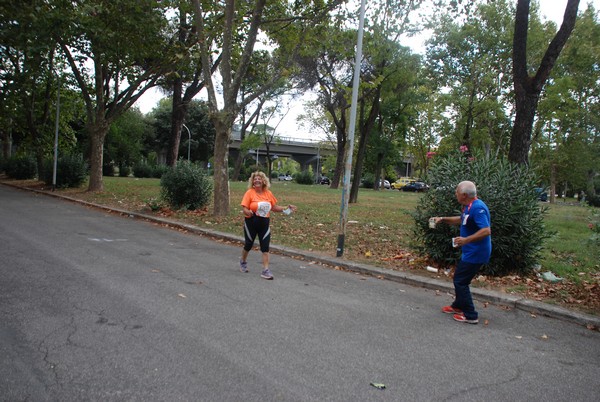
(550, 277)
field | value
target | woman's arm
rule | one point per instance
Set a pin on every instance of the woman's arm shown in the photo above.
(279, 208)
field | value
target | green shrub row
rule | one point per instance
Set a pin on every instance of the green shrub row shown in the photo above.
(21, 167)
(143, 169)
(71, 171)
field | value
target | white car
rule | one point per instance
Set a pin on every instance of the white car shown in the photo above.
(285, 177)
(385, 184)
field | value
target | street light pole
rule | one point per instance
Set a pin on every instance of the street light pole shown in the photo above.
(318, 175)
(350, 142)
(56, 134)
(189, 140)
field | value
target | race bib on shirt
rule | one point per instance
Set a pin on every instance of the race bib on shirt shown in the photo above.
(263, 209)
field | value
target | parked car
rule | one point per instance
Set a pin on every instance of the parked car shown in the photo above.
(284, 177)
(324, 180)
(416, 186)
(542, 194)
(385, 184)
(401, 182)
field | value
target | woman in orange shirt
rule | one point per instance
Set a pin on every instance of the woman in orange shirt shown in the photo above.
(257, 203)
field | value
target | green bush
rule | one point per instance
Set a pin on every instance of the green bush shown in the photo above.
(368, 180)
(124, 171)
(305, 177)
(245, 171)
(159, 170)
(186, 186)
(142, 169)
(508, 189)
(593, 200)
(21, 167)
(71, 171)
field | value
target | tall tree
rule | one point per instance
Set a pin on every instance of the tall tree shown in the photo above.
(256, 76)
(383, 61)
(566, 135)
(328, 67)
(236, 34)
(31, 77)
(469, 60)
(528, 88)
(116, 51)
(202, 132)
(185, 81)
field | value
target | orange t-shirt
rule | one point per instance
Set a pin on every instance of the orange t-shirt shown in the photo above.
(261, 204)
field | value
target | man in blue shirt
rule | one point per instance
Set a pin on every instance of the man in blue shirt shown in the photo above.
(476, 242)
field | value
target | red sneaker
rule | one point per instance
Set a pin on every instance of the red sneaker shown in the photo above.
(461, 318)
(451, 310)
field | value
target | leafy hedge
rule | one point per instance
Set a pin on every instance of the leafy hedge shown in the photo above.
(144, 169)
(304, 177)
(593, 200)
(21, 167)
(186, 186)
(71, 171)
(508, 189)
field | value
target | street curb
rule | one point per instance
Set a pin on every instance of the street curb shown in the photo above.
(483, 295)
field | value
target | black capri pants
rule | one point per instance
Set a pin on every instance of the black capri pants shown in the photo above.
(257, 226)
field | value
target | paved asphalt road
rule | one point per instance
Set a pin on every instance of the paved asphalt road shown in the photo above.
(97, 306)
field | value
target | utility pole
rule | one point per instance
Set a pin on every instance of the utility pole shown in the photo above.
(350, 149)
(56, 133)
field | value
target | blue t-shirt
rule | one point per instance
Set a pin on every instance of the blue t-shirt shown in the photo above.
(474, 217)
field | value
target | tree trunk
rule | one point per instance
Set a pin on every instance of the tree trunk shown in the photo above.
(379, 166)
(177, 116)
(520, 141)
(6, 143)
(97, 133)
(358, 167)
(470, 118)
(528, 89)
(339, 163)
(365, 131)
(237, 167)
(552, 183)
(221, 177)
